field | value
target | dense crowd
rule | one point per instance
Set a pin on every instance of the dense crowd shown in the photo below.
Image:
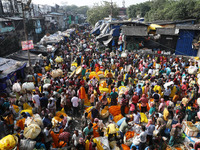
(102, 100)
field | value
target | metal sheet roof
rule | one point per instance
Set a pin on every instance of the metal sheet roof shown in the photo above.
(166, 31)
(134, 30)
(188, 27)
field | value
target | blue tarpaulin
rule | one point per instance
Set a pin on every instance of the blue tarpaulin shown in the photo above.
(10, 70)
(96, 30)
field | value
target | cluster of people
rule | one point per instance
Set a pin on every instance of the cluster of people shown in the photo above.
(136, 102)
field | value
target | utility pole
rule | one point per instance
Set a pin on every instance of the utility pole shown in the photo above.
(25, 31)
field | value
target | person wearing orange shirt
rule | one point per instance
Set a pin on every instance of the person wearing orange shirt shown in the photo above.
(95, 128)
(175, 98)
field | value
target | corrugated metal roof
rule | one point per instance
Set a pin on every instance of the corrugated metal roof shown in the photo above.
(188, 27)
(4, 19)
(55, 13)
(14, 18)
(166, 31)
(128, 22)
(134, 30)
(163, 22)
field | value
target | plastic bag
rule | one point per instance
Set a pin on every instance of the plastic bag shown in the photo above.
(56, 73)
(124, 55)
(32, 131)
(27, 144)
(28, 111)
(192, 70)
(73, 68)
(29, 86)
(58, 59)
(36, 119)
(102, 143)
(136, 141)
(16, 87)
(46, 86)
(27, 106)
(8, 142)
(60, 72)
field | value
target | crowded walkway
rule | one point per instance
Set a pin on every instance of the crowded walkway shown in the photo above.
(102, 100)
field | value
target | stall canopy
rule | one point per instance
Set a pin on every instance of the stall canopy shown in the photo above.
(10, 71)
(23, 56)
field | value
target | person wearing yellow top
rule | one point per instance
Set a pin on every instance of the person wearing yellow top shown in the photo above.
(111, 130)
(173, 91)
(185, 100)
(175, 98)
(157, 88)
(165, 114)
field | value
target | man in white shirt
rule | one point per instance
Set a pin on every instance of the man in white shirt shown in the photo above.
(75, 101)
(75, 138)
(136, 116)
(150, 71)
(47, 136)
(142, 138)
(36, 100)
(167, 93)
(93, 81)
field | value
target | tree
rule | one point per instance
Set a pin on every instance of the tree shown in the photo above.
(75, 9)
(99, 12)
(139, 9)
(82, 10)
(166, 10)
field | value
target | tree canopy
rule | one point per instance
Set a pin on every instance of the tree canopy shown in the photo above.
(99, 12)
(75, 9)
(166, 10)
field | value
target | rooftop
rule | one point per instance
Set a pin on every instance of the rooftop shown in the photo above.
(164, 22)
(56, 13)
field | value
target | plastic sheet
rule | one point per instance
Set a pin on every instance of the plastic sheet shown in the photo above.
(8, 142)
(29, 86)
(32, 131)
(16, 87)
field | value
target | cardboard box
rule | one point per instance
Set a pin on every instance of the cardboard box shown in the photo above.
(189, 129)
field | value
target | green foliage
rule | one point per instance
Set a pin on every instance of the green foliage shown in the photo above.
(75, 9)
(99, 12)
(138, 9)
(166, 10)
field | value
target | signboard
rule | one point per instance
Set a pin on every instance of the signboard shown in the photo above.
(26, 45)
